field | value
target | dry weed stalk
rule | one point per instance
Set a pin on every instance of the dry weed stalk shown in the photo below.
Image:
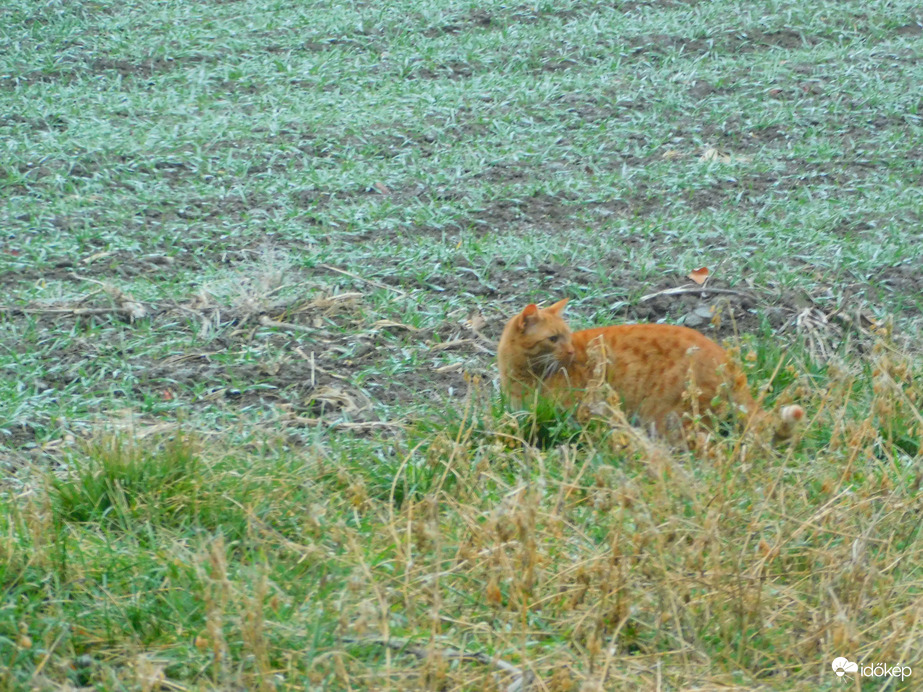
(125, 306)
(252, 628)
(216, 595)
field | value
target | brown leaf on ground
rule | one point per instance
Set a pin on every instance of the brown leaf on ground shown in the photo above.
(700, 275)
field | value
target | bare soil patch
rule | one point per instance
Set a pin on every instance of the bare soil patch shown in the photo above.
(124, 67)
(149, 67)
(324, 358)
(905, 280)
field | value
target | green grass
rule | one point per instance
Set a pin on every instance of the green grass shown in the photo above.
(296, 449)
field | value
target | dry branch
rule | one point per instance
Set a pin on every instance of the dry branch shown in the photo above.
(456, 343)
(315, 367)
(326, 303)
(344, 425)
(76, 312)
(268, 322)
(680, 290)
(385, 324)
(371, 282)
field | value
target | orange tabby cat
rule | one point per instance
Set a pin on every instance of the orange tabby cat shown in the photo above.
(649, 366)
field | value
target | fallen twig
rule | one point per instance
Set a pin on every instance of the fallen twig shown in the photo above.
(362, 278)
(317, 368)
(451, 367)
(345, 425)
(385, 324)
(268, 322)
(76, 312)
(456, 343)
(680, 290)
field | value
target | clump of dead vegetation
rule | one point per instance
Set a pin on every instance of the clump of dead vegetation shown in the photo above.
(612, 562)
(482, 550)
(494, 550)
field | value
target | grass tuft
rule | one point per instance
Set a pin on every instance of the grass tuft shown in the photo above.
(115, 479)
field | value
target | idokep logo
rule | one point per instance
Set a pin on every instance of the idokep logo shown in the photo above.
(842, 665)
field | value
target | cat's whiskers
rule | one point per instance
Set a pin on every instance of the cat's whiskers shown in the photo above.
(548, 364)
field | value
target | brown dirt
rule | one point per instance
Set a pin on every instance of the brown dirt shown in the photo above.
(150, 66)
(124, 264)
(904, 280)
(124, 67)
(343, 347)
(21, 436)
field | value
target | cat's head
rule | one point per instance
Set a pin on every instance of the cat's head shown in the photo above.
(541, 337)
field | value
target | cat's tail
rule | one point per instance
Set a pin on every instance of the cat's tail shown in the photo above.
(788, 420)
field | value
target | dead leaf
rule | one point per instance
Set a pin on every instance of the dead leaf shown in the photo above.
(712, 154)
(382, 188)
(96, 256)
(700, 275)
(672, 155)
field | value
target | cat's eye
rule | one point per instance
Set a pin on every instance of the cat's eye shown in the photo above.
(554, 338)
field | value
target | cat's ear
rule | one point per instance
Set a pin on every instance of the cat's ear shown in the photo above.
(528, 316)
(558, 307)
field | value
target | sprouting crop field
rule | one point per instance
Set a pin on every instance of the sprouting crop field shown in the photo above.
(255, 259)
